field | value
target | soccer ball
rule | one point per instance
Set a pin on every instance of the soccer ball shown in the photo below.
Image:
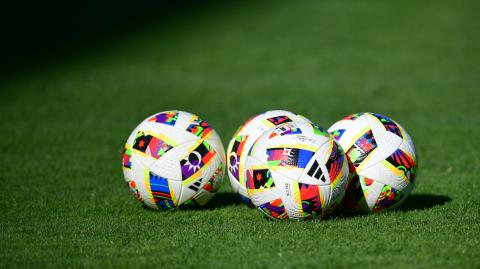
(172, 159)
(382, 161)
(243, 140)
(296, 171)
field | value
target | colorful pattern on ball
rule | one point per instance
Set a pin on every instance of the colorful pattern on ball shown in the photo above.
(199, 128)
(404, 162)
(127, 154)
(361, 148)
(244, 138)
(389, 124)
(150, 145)
(293, 157)
(236, 152)
(196, 159)
(311, 204)
(382, 161)
(161, 192)
(259, 178)
(173, 158)
(274, 210)
(169, 117)
(335, 164)
(298, 176)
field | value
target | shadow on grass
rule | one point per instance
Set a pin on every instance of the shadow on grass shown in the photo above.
(423, 201)
(224, 199)
(413, 202)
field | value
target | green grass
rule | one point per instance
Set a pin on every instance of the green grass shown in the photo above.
(64, 202)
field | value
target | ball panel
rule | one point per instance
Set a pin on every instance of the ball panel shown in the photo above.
(388, 124)
(236, 163)
(386, 173)
(148, 147)
(184, 120)
(194, 156)
(176, 189)
(167, 133)
(258, 149)
(360, 150)
(259, 185)
(408, 148)
(166, 117)
(310, 196)
(235, 149)
(337, 130)
(141, 177)
(372, 193)
(405, 163)
(198, 162)
(387, 141)
(353, 130)
(259, 178)
(289, 193)
(168, 166)
(160, 191)
(389, 197)
(210, 188)
(261, 196)
(285, 129)
(127, 162)
(337, 166)
(326, 198)
(305, 135)
(288, 161)
(274, 210)
(215, 182)
(217, 146)
(127, 172)
(201, 128)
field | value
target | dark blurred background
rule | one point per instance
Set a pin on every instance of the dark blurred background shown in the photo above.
(42, 32)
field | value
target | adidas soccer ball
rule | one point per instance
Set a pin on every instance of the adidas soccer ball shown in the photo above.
(243, 140)
(296, 171)
(173, 158)
(382, 161)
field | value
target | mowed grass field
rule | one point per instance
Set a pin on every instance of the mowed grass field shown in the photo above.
(64, 202)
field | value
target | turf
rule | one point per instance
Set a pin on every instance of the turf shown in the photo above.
(63, 124)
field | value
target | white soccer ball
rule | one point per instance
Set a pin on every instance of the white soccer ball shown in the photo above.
(173, 158)
(245, 137)
(296, 171)
(382, 161)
